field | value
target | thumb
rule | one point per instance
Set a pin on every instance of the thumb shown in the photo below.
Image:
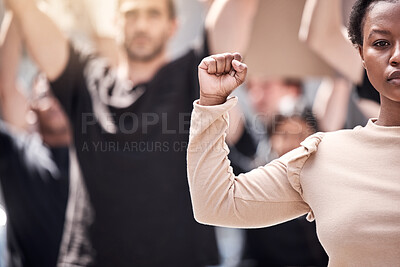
(240, 71)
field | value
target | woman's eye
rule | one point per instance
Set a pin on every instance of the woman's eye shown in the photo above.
(381, 43)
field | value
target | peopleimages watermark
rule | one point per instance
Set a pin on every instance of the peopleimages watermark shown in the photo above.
(177, 127)
(133, 146)
(131, 123)
(147, 146)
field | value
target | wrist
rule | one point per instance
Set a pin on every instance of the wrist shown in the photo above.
(211, 100)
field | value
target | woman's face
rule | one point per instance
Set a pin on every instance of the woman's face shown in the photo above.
(381, 49)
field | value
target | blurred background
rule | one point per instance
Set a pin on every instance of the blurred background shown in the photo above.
(304, 76)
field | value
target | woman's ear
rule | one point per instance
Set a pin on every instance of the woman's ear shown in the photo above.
(360, 50)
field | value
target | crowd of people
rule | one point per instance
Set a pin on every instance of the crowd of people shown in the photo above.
(110, 149)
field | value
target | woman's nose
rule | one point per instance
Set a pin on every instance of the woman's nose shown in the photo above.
(395, 57)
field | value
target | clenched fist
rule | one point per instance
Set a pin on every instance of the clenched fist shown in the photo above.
(219, 75)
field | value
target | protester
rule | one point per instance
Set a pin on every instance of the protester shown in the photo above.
(34, 161)
(283, 121)
(293, 243)
(346, 180)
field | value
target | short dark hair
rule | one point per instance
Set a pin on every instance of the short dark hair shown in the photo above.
(357, 18)
(171, 8)
(305, 114)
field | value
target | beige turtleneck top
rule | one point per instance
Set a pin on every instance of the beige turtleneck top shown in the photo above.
(348, 181)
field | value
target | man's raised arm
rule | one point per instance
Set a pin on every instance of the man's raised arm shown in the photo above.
(13, 104)
(45, 42)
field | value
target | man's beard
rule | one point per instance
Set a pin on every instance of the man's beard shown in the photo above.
(134, 56)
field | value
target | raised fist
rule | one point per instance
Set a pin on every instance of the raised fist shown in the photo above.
(219, 75)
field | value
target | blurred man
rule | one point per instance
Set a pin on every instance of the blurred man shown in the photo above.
(281, 123)
(131, 206)
(269, 97)
(34, 180)
(34, 161)
(288, 131)
(293, 243)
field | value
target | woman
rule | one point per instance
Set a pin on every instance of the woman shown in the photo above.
(348, 181)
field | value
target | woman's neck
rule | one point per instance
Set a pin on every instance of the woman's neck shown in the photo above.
(389, 114)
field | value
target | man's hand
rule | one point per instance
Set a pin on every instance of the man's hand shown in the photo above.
(219, 75)
(46, 44)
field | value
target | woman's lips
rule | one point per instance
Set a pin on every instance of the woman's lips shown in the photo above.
(394, 78)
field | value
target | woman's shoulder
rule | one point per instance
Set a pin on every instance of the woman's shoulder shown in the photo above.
(325, 141)
(319, 145)
(342, 136)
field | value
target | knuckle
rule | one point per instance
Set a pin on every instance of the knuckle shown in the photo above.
(219, 57)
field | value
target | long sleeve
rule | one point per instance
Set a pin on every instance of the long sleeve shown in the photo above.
(264, 196)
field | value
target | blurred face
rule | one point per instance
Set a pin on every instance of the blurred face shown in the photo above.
(146, 26)
(381, 49)
(266, 95)
(288, 135)
(52, 121)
